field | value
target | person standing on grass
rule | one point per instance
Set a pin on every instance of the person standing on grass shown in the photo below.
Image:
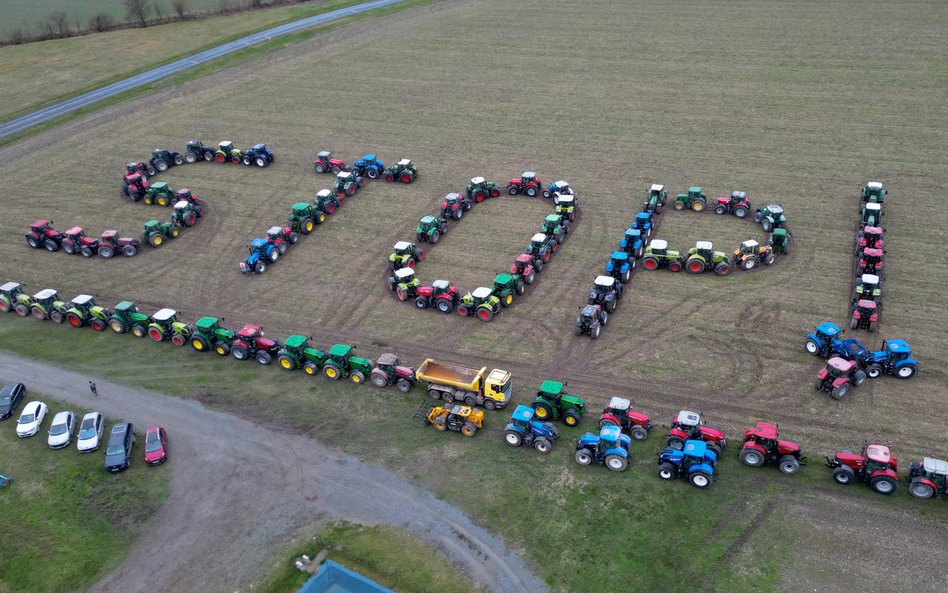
(92, 388)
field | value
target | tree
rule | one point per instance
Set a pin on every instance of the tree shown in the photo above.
(101, 22)
(138, 11)
(59, 24)
(180, 7)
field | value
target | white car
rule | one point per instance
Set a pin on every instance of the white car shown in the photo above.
(90, 432)
(31, 418)
(61, 430)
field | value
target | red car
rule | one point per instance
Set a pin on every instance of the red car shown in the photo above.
(156, 445)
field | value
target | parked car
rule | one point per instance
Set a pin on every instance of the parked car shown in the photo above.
(61, 430)
(90, 432)
(118, 453)
(31, 418)
(10, 397)
(156, 445)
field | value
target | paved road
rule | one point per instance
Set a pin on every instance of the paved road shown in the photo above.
(47, 113)
(241, 492)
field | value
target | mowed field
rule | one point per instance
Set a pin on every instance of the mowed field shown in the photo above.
(797, 105)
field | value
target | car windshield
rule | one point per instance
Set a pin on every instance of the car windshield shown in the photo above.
(57, 429)
(87, 430)
(115, 450)
(26, 418)
(152, 443)
(4, 399)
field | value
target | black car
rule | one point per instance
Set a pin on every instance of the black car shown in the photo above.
(10, 397)
(119, 451)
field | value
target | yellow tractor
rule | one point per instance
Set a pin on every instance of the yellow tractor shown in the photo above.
(750, 254)
(463, 419)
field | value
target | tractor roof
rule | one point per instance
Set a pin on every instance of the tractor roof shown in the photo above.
(872, 252)
(441, 284)
(750, 244)
(274, 230)
(899, 346)
(552, 218)
(659, 244)
(125, 306)
(324, 193)
(620, 255)
(704, 245)
(477, 180)
(619, 403)
(183, 191)
(605, 281)
(781, 232)
(878, 453)
(841, 364)
(368, 156)
(829, 328)
(481, 293)
(300, 207)
(739, 194)
(82, 299)
(402, 246)
(225, 144)
(387, 358)
(872, 230)
(503, 278)
(873, 206)
(566, 198)
(428, 219)
(775, 209)
(206, 322)
(452, 196)
(160, 185)
(695, 448)
(10, 286)
(404, 273)
(529, 174)
(181, 205)
(538, 238)
(463, 411)
(643, 216)
(404, 162)
(551, 387)
(874, 185)
(657, 187)
(74, 230)
(524, 258)
(870, 279)
(45, 293)
(696, 189)
(164, 314)
(259, 147)
(590, 311)
(686, 418)
(610, 433)
(866, 304)
(324, 153)
(150, 223)
(40, 222)
(765, 430)
(295, 341)
(561, 183)
(258, 243)
(523, 413)
(935, 466)
(340, 350)
(344, 174)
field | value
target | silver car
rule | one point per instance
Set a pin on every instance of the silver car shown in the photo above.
(61, 430)
(90, 432)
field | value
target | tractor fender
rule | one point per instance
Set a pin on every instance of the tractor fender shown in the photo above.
(701, 467)
(788, 448)
(266, 344)
(240, 344)
(753, 445)
(625, 441)
(926, 481)
(620, 451)
(588, 440)
(612, 418)
(382, 374)
(822, 374)
(906, 362)
(837, 383)
(609, 267)
(513, 427)
(887, 472)
(677, 432)
(816, 340)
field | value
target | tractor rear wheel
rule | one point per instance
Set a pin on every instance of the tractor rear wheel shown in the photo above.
(32, 242)
(178, 339)
(853, 323)
(403, 385)
(434, 236)
(372, 173)
(571, 418)
(667, 471)
(518, 287)
(161, 166)
(287, 363)
(163, 200)
(812, 347)
(155, 239)
(594, 331)
(542, 410)
(106, 251)
(264, 358)
(310, 368)
(357, 377)
(156, 334)
(749, 263)
(543, 445)
(700, 479)
(769, 259)
(584, 457)
(401, 293)
(650, 263)
(74, 320)
(332, 371)
(190, 158)
(117, 325)
(239, 352)
(222, 349)
(57, 317)
(716, 448)
(283, 247)
(275, 255)
(485, 314)
(260, 162)
(789, 465)
(604, 318)
(921, 490)
(39, 313)
(319, 167)
(199, 344)
(407, 177)
(883, 485)
(444, 305)
(740, 212)
(695, 266)
(513, 438)
(844, 475)
(86, 251)
(306, 226)
(839, 392)
(507, 299)
(129, 250)
(350, 189)
(617, 463)
(859, 378)
(479, 196)
(610, 306)
(752, 457)
(469, 429)
(440, 424)
(69, 247)
(531, 191)
(529, 278)
(638, 433)
(676, 443)
(97, 325)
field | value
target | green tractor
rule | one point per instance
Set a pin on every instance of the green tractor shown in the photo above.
(505, 287)
(481, 302)
(304, 217)
(655, 199)
(154, 233)
(404, 171)
(159, 193)
(185, 214)
(46, 304)
(208, 333)
(780, 241)
(164, 324)
(430, 229)
(82, 310)
(770, 217)
(342, 363)
(553, 228)
(326, 202)
(296, 352)
(479, 189)
(702, 257)
(871, 214)
(126, 317)
(10, 294)
(406, 255)
(553, 403)
(694, 199)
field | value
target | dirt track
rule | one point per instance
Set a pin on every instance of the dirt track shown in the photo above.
(241, 491)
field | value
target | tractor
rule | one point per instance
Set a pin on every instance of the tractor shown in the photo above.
(82, 310)
(870, 236)
(558, 189)
(404, 283)
(404, 171)
(195, 151)
(865, 315)
(554, 403)
(524, 431)
(643, 223)
(702, 257)
(528, 184)
(750, 254)
(186, 195)
(454, 206)
(126, 317)
(658, 255)
(185, 214)
(259, 155)
(505, 287)
(780, 241)
(479, 189)
(430, 229)
(388, 370)
(823, 341)
(928, 477)
(566, 208)
(553, 228)
(250, 342)
(763, 445)
(874, 466)
(75, 242)
(605, 292)
(694, 462)
(737, 204)
(870, 261)
(690, 426)
(296, 352)
(620, 266)
(262, 252)
(463, 419)
(541, 249)
(406, 255)
(208, 334)
(163, 159)
(619, 413)
(324, 162)
(480, 302)
(304, 217)
(871, 214)
(347, 184)
(368, 166)
(226, 152)
(42, 234)
(868, 287)
(134, 186)
(159, 193)
(837, 376)
(136, 167)
(164, 325)
(591, 320)
(632, 242)
(655, 199)
(873, 192)
(770, 217)
(10, 294)
(895, 358)
(523, 268)
(442, 295)
(154, 233)
(342, 363)
(610, 448)
(282, 237)
(694, 199)
(327, 202)
(46, 304)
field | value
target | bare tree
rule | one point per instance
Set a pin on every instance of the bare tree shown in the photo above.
(180, 7)
(159, 15)
(138, 11)
(16, 36)
(101, 22)
(58, 24)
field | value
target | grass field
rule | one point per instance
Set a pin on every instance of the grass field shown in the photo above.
(795, 104)
(65, 520)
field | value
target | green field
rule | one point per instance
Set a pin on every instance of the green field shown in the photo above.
(65, 520)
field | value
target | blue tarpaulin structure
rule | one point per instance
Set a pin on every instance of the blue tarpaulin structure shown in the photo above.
(334, 578)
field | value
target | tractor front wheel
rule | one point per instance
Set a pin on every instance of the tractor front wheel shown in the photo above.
(844, 475)
(789, 465)
(464, 311)
(440, 424)
(752, 457)
(127, 251)
(403, 385)
(719, 209)
(444, 305)
(667, 471)
(310, 368)
(638, 433)
(139, 331)
(512, 190)
(584, 457)
(264, 358)
(617, 463)
(222, 349)
(883, 485)
(372, 173)
(507, 299)
(469, 429)
(239, 352)
(421, 302)
(543, 445)
(679, 205)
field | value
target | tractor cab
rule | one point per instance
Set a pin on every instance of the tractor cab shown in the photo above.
(367, 160)
(764, 434)
(394, 370)
(404, 164)
(342, 177)
(552, 391)
(208, 324)
(538, 246)
(405, 254)
(838, 367)
(609, 437)
(482, 295)
(251, 335)
(259, 246)
(405, 278)
(477, 181)
(503, 282)
(590, 314)
(552, 228)
(528, 177)
(656, 193)
(935, 470)
(871, 236)
(275, 233)
(872, 214)
(134, 167)
(865, 314)
(184, 194)
(873, 192)
(136, 181)
(46, 297)
(427, 227)
(618, 406)
(688, 421)
(868, 288)
(79, 236)
(705, 249)
(324, 156)
(643, 222)
(195, 146)
(83, 302)
(560, 187)
(326, 201)
(442, 287)
(871, 259)
(165, 317)
(632, 242)
(565, 205)
(619, 266)
(520, 265)
(896, 350)
(695, 193)
(522, 418)
(749, 247)
(603, 287)
(878, 457)
(227, 148)
(696, 452)
(452, 200)
(10, 291)
(780, 240)
(340, 354)
(828, 331)
(260, 149)
(737, 198)
(44, 228)
(183, 213)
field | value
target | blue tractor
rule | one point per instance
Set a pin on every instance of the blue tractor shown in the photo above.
(620, 266)
(523, 430)
(643, 222)
(369, 166)
(557, 187)
(610, 448)
(895, 358)
(820, 343)
(632, 242)
(695, 463)
(259, 155)
(262, 253)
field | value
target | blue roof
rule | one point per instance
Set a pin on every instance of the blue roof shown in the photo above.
(695, 448)
(369, 157)
(258, 243)
(610, 433)
(523, 413)
(635, 232)
(620, 255)
(643, 216)
(899, 346)
(828, 328)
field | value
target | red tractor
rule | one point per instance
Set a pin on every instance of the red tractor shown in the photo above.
(282, 237)
(737, 203)
(619, 413)
(928, 477)
(388, 370)
(523, 268)
(136, 167)
(110, 243)
(249, 342)
(134, 186)
(865, 315)
(325, 162)
(528, 184)
(875, 466)
(838, 375)
(185, 194)
(454, 206)
(76, 242)
(690, 426)
(763, 445)
(870, 236)
(870, 261)
(442, 295)
(42, 234)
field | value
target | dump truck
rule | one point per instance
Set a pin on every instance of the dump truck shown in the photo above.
(455, 383)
